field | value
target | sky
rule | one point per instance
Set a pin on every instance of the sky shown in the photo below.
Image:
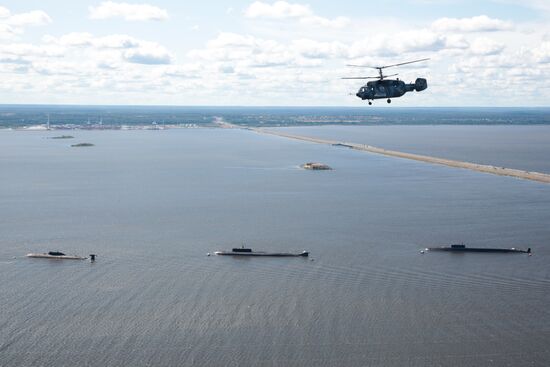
(272, 53)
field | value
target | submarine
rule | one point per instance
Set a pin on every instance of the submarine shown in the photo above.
(463, 248)
(59, 256)
(243, 251)
(56, 255)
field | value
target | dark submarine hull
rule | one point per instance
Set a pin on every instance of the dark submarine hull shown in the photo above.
(265, 254)
(479, 249)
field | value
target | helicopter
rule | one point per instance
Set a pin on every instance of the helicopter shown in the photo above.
(387, 88)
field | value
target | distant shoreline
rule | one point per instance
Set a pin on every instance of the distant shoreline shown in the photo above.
(71, 117)
(98, 127)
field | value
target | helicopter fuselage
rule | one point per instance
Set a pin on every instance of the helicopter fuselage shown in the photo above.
(389, 88)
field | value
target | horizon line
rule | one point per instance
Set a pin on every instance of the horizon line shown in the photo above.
(259, 106)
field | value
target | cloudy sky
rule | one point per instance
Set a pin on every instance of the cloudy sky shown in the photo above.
(245, 52)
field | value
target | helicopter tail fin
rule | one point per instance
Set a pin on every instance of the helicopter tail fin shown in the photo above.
(420, 84)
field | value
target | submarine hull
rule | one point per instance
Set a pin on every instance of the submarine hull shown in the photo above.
(478, 249)
(56, 257)
(267, 254)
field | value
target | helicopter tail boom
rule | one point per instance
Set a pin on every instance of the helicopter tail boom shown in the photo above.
(420, 84)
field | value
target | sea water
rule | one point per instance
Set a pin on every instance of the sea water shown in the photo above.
(152, 204)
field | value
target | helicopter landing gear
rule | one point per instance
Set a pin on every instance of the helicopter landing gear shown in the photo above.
(389, 100)
(370, 103)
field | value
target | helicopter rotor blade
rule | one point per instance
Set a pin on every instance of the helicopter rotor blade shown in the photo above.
(362, 66)
(370, 77)
(387, 66)
(403, 63)
(361, 77)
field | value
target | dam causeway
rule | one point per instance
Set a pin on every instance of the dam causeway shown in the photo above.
(501, 171)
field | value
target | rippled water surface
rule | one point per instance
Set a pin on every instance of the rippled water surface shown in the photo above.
(152, 204)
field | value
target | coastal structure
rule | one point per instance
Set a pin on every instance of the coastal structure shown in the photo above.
(315, 166)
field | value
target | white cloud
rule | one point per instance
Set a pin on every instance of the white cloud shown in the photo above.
(246, 51)
(149, 54)
(319, 50)
(419, 41)
(275, 62)
(4, 12)
(75, 39)
(228, 39)
(31, 18)
(456, 41)
(542, 53)
(481, 23)
(240, 53)
(84, 39)
(121, 41)
(486, 46)
(6, 31)
(285, 10)
(338, 22)
(279, 9)
(402, 43)
(226, 69)
(127, 48)
(13, 24)
(13, 59)
(130, 12)
(246, 58)
(25, 53)
(187, 71)
(535, 4)
(27, 49)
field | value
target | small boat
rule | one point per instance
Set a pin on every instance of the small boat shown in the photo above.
(56, 255)
(315, 166)
(462, 248)
(243, 251)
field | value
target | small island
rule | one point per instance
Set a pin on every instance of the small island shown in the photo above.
(63, 137)
(82, 145)
(315, 166)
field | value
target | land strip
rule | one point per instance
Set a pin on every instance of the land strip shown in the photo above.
(501, 171)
